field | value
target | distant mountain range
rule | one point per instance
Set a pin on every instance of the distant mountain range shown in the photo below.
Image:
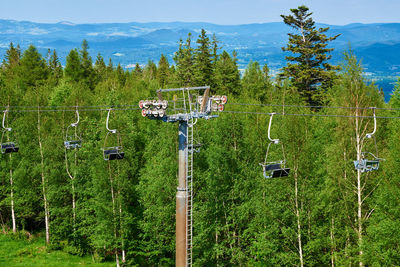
(129, 43)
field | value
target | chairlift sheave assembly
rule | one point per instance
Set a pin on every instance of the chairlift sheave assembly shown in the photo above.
(274, 169)
(153, 108)
(369, 162)
(73, 141)
(6, 145)
(112, 152)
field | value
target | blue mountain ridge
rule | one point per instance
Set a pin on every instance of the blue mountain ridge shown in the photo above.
(134, 42)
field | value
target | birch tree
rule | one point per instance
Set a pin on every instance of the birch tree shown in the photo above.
(356, 187)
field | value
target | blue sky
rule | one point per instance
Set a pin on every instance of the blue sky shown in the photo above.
(215, 11)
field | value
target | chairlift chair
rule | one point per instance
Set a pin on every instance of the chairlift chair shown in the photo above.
(367, 165)
(7, 146)
(73, 141)
(274, 169)
(112, 152)
(371, 164)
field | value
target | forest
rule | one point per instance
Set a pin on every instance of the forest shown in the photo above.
(325, 212)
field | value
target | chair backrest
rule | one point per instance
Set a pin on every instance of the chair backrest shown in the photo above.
(73, 144)
(371, 165)
(365, 165)
(9, 147)
(112, 154)
(280, 173)
(271, 167)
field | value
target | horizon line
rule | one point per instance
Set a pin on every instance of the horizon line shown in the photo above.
(66, 22)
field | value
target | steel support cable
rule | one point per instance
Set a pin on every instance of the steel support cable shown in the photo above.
(62, 110)
(302, 106)
(225, 111)
(55, 107)
(123, 107)
(308, 115)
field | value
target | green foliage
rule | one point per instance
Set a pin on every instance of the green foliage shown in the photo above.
(307, 66)
(203, 60)
(226, 75)
(32, 69)
(255, 83)
(240, 218)
(32, 252)
(163, 71)
(73, 67)
(184, 60)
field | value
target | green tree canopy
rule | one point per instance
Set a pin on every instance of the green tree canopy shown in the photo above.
(307, 65)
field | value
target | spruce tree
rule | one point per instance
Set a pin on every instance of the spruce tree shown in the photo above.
(12, 56)
(150, 71)
(110, 66)
(73, 67)
(99, 66)
(33, 69)
(137, 70)
(203, 60)
(120, 75)
(307, 66)
(227, 77)
(184, 59)
(163, 70)
(86, 65)
(55, 68)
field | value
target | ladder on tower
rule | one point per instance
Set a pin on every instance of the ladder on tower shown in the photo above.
(189, 185)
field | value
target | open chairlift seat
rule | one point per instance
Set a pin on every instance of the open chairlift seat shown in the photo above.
(371, 164)
(274, 170)
(112, 153)
(73, 141)
(367, 165)
(9, 147)
(72, 144)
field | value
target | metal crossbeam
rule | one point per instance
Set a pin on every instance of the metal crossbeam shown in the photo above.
(183, 89)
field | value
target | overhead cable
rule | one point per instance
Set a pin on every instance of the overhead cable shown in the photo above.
(308, 114)
(304, 106)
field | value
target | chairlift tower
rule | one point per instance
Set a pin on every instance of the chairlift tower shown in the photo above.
(186, 106)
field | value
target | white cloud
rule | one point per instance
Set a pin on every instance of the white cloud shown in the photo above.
(118, 34)
(36, 31)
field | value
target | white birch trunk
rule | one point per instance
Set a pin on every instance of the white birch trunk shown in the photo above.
(73, 207)
(72, 178)
(46, 205)
(113, 211)
(359, 194)
(298, 219)
(333, 242)
(14, 225)
(121, 226)
(121, 231)
(122, 240)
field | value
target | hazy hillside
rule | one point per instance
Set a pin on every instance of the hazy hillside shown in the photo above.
(130, 43)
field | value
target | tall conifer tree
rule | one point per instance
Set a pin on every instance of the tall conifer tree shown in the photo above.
(307, 66)
(203, 60)
(163, 70)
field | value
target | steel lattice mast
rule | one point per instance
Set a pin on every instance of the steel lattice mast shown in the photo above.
(186, 109)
